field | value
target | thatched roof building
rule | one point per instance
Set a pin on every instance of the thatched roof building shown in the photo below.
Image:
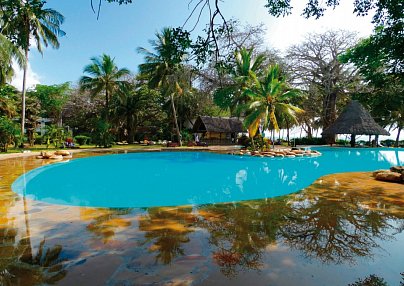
(355, 119)
(218, 130)
(218, 125)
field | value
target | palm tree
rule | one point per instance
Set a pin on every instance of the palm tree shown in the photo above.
(31, 21)
(105, 77)
(232, 95)
(8, 51)
(164, 68)
(268, 95)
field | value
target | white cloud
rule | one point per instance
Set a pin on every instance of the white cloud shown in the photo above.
(32, 77)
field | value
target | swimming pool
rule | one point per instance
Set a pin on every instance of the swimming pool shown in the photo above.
(189, 178)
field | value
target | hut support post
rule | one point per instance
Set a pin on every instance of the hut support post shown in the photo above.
(353, 143)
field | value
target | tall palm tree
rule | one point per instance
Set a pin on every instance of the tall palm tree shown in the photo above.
(164, 67)
(104, 76)
(8, 52)
(31, 20)
(268, 95)
(232, 95)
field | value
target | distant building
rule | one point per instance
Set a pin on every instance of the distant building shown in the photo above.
(41, 125)
(218, 130)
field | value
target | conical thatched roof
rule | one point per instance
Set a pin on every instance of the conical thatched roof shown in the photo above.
(218, 124)
(355, 119)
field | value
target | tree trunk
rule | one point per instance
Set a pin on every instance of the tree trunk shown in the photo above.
(398, 136)
(287, 132)
(175, 120)
(329, 115)
(24, 91)
(353, 142)
(106, 103)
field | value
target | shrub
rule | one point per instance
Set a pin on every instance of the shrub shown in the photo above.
(388, 142)
(8, 133)
(82, 139)
(102, 134)
(309, 141)
(244, 141)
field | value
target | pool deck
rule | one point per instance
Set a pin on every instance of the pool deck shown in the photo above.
(216, 148)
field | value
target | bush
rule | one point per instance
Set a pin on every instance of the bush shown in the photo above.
(388, 142)
(308, 141)
(102, 134)
(8, 133)
(82, 139)
(187, 136)
(244, 141)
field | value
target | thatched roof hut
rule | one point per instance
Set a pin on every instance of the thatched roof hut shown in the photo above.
(218, 125)
(356, 120)
(218, 130)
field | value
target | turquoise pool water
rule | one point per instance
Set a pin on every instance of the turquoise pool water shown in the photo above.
(183, 178)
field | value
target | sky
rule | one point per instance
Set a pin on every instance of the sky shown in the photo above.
(120, 29)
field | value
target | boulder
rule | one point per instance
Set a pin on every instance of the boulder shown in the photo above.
(378, 171)
(389, 176)
(39, 157)
(62, 152)
(397, 169)
(56, 157)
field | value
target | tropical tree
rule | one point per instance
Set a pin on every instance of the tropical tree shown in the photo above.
(315, 67)
(232, 94)
(28, 20)
(104, 77)
(8, 133)
(164, 67)
(8, 52)
(8, 100)
(52, 99)
(268, 96)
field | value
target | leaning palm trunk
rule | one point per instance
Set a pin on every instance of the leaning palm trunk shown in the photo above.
(398, 137)
(175, 119)
(24, 90)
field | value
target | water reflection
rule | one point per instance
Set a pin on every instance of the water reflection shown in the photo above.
(167, 229)
(104, 222)
(240, 233)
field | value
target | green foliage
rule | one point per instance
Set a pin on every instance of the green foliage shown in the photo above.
(265, 97)
(371, 280)
(55, 135)
(82, 139)
(244, 141)
(8, 52)
(103, 136)
(164, 68)
(8, 132)
(52, 98)
(8, 101)
(232, 94)
(187, 136)
(26, 19)
(103, 77)
(309, 141)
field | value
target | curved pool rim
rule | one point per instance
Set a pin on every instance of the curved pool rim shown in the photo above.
(247, 178)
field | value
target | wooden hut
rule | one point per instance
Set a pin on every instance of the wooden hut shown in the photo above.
(355, 120)
(218, 130)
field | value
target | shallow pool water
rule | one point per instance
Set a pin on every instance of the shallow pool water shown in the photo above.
(183, 178)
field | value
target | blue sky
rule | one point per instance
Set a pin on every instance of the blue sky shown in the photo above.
(121, 29)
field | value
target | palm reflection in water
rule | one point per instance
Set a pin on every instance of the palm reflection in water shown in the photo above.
(333, 227)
